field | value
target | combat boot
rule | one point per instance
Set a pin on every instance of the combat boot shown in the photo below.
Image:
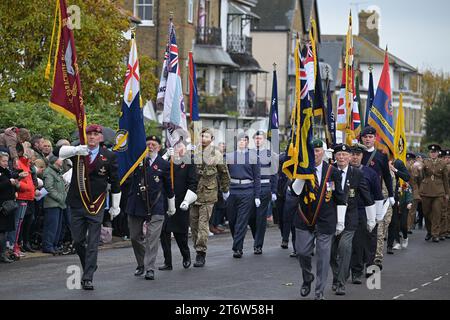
(200, 259)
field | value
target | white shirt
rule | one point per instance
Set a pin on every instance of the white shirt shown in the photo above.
(371, 149)
(153, 158)
(319, 172)
(344, 176)
(93, 153)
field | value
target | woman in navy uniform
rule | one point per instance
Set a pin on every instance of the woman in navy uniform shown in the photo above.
(185, 188)
(150, 188)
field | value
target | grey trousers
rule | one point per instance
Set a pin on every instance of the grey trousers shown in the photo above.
(86, 230)
(145, 247)
(341, 254)
(304, 245)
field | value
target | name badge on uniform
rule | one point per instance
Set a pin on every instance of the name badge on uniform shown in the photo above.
(331, 186)
(156, 179)
(351, 193)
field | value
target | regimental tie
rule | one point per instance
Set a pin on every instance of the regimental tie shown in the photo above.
(316, 182)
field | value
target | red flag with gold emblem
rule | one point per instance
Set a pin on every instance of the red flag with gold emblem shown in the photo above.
(66, 96)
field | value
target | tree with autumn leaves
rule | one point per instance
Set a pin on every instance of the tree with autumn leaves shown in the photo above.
(26, 29)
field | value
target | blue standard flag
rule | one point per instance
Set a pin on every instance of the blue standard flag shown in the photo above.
(273, 120)
(130, 138)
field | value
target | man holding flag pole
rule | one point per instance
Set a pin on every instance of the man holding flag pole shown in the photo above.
(94, 167)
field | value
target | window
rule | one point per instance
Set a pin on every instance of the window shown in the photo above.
(144, 10)
(190, 17)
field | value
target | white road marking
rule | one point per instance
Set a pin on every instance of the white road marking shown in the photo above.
(396, 297)
(437, 279)
(415, 289)
(425, 284)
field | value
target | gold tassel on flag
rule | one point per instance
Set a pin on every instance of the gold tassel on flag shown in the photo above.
(47, 69)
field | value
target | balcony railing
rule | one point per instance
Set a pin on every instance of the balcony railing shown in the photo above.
(239, 44)
(210, 36)
(231, 105)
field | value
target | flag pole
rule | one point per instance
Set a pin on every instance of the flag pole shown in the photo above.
(172, 175)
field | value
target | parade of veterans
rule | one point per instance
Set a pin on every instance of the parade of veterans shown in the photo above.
(213, 150)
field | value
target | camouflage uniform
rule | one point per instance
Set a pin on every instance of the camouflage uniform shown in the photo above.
(383, 226)
(433, 189)
(212, 172)
(414, 183)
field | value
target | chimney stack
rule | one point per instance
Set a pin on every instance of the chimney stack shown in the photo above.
(368, 26)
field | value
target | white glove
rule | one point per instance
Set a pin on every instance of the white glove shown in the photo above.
(171, 207)
(340, 226)
(274, 197)
(225, 195)
(371, 213)
(169, 153)
(115, 205)
(297, 186)
(379, 210)
(392, 201)
(70, 151)
(189, 199)
(257, 202)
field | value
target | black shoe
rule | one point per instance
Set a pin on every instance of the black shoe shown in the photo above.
(340, 291)
(428, 237)
(442, 238)
(237, 254)
(448, 236)
(150, 275)
(28, 248)
(139, 271)
(186, 262)
(378, 263)
(356, 279)
(257, 250)
(334, 286)
(87, 285)
(435, 239)
(319, 296)
(293, 255)
(5, 259)
(409, 232)
(200, 259)
(390, 250)
(165, 267)
(284, 244)
(306, 288)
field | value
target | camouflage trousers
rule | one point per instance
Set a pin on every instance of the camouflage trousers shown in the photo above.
(382, 233)
(199, 220)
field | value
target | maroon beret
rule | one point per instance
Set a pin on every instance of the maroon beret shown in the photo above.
(94, 128)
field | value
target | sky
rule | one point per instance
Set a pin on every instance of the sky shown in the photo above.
(417, 32)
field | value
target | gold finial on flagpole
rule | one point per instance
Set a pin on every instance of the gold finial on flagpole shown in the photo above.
(274, 66)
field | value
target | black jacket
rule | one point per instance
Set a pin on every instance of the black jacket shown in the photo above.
(104, 171)
(185, 178)
(355, 188)
(159, 188)
(327, 215)
(7, 192)
(380, 164)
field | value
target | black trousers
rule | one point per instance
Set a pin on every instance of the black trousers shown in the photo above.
(364, 246)
(399, 223)
(86, 230)
(289, 209)
(166, 244)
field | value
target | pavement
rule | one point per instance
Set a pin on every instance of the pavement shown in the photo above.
(419, 272)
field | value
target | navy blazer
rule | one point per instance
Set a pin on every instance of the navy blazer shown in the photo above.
(159, 188)
(327, 215)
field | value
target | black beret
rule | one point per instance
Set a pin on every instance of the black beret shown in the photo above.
(368, 130)
(358, 148)
(341, 147)
(434, 147)
(410, 155)
(154, 138)
(446, 153)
